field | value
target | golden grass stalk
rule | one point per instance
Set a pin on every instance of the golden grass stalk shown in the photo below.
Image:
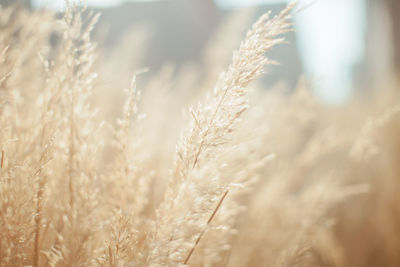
(208, 222)
(211, 126)
(73, 193)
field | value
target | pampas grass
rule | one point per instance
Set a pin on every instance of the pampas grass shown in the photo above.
(256, 178)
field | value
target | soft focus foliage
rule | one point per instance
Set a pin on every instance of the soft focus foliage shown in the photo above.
(256, 177)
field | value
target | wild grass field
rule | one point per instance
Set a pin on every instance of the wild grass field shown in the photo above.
(245, 176)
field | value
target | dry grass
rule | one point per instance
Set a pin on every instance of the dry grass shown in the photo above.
(257, 178)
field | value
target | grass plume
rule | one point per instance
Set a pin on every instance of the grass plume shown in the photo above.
(255, 178)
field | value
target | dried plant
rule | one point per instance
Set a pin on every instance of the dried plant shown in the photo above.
(257, 178)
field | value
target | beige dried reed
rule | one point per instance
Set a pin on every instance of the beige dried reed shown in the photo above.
(257, 178)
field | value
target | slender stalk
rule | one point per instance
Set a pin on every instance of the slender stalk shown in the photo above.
(2, 159)
(208, 222)
(39, 207)
(38, 221)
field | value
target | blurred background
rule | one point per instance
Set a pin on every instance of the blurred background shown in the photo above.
(344, 47)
